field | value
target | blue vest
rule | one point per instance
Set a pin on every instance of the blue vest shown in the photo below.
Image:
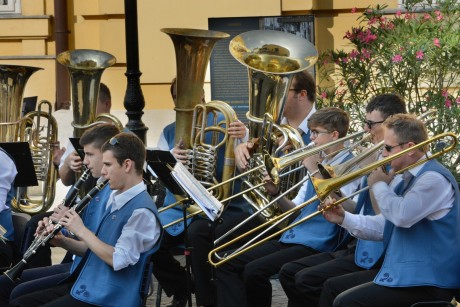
(367, 252)
(427, 253)
(176, 213)
(317, 232)
(93, 215)
(97, 282)
(306, 137)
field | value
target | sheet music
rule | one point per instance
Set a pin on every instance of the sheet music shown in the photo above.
(2, 233)
(208, 203)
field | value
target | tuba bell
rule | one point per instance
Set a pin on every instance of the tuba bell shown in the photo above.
(37, 128)
(85, 68)
(193, 49)
(272, 58)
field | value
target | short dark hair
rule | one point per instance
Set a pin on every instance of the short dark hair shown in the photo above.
(332, 119)
(407, 128)
(127, 146)
(98, 135)
(104, 93)
(304, 81)
(387, 104)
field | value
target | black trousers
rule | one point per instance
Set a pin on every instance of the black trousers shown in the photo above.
(6, 254)
(52, 297)
(245, 280)
(336, 285)
(201, 237)
(167, 270)
(303, 279)
(373, 295)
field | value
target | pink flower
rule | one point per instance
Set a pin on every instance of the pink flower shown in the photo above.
(323, 95)
(353, 10)
(458, 100)
(353, 54)
(397, 58)
(436, 42)
(365, 54)
(444, 93)
(419, 55)
(439, 17)
(426, 16)
(398, 13)
(448, 103)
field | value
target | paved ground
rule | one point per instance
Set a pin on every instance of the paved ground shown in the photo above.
(279, 298)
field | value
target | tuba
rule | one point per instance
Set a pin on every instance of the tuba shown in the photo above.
(193, 49)
(272, 59)
(37, 128)
(85, 68)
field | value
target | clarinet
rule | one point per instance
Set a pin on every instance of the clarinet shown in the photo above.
(72, 194)
(16, 271)
(67, 201)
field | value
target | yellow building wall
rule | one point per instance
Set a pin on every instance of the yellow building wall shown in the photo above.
(99, 24)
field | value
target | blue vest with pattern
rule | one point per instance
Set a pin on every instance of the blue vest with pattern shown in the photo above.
(176, 213)
(317, 232)
(97, 282)
(92, 216)
(367, 252)
(428, 252)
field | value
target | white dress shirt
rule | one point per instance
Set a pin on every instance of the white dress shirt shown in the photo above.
(431, 197)
(7, 174)
(140, 232)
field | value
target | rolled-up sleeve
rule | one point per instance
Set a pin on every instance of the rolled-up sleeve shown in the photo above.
(140, 234)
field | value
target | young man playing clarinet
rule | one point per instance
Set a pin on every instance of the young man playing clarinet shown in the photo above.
(127, 235)
(40, 278)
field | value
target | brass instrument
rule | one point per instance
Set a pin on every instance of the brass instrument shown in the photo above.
(38, 128)
(272, 59)
(85, 68)
(16, 270)
(193, 49)
(323, 188)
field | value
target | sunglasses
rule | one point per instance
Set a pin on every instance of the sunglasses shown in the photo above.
(389, 148)
(370, 123)
(113, 141)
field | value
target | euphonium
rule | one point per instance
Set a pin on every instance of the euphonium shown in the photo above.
(85, 68)
(272, 59)
(38, 128)
(193, 49)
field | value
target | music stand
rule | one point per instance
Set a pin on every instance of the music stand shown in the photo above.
(161, 162)
(20, 153)
(76, 145)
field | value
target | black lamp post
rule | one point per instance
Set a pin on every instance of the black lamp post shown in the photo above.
(134, 99)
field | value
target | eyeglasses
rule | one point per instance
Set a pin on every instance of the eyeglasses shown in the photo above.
(370, 123)
(295, 89)
(113, 141)
(389, 148)
(315, 133)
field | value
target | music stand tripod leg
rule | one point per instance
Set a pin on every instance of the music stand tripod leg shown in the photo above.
(187, 250)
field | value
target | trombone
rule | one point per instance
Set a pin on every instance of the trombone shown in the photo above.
(275, 167)
(323, 188)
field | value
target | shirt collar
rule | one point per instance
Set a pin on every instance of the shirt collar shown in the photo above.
(118, 200)
(304, 124)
